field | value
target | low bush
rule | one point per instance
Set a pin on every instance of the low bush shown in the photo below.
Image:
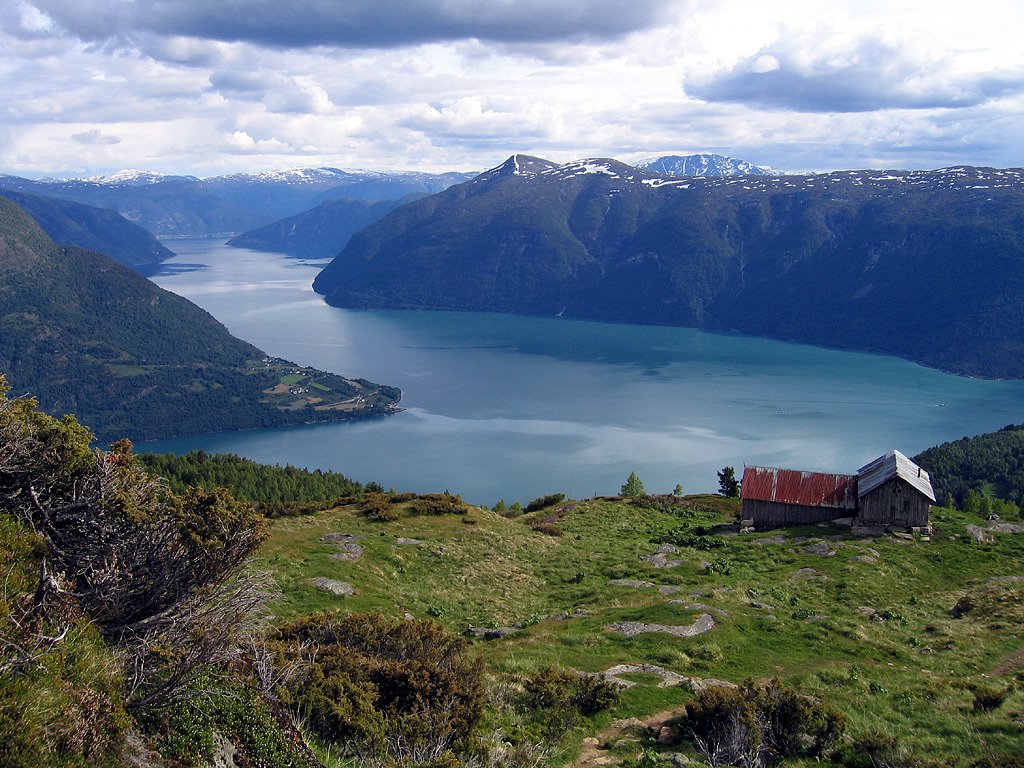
(558, 699)
(757, 724)
(544, 502)
(384, 691)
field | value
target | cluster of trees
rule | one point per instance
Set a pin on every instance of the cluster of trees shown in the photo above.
(269, 486)
(991, 464)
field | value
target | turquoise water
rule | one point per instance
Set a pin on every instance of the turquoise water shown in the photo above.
(509, 407)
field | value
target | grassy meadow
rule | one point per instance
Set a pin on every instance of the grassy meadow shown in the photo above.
(865, 624)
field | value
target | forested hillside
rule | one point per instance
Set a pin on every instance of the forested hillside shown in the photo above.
(924, 265)
(992, 463)
(86, 335)
(95, 229)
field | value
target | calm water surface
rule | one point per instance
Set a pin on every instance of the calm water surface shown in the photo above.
(512, 407)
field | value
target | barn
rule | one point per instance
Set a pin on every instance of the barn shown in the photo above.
(775, 497)
(889, 492)
(893, 491)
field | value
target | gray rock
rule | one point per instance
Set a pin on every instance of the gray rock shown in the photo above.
(864, 559)
(632, 583)
(340, 588)
(665, 589)
(818, 548)
(491, 633)
(775, 539)
(340, 537)
(407, 542)
(704, 623)
(1007, 527)
(979, 535)
(761, 606)
(668, 677)
(348, 551)
(661, 560)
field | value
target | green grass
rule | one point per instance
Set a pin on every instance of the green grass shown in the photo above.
(874, 639)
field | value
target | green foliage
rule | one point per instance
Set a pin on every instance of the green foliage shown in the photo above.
(756, 722)
(275, 489)
(383, 689)
(544, 502)
(558, 699)
(633, 487)
(232, 712)
(967, 467)
(728, 485)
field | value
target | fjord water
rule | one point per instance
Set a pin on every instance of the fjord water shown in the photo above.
(498, 406)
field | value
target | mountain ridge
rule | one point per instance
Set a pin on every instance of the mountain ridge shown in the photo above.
(849, 259)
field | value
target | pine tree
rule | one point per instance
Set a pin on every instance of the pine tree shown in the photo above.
(728, 485)
(634, 487)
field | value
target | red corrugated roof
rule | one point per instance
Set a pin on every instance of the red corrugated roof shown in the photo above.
(791, 486)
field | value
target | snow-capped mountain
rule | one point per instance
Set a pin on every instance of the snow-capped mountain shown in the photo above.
(704, 165)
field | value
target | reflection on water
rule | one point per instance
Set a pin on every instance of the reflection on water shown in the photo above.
(514, 407)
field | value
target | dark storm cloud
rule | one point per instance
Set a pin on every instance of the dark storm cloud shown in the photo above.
(870, 77)
(354, 23)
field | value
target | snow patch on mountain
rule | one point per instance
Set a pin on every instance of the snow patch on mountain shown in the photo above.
(704, 165)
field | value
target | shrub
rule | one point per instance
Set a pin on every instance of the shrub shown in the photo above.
(544, 502)
(378, 507)
(383, 690)
(548, 529)
(559, 698)
(438, 504)
(754, 723)
(989, 699)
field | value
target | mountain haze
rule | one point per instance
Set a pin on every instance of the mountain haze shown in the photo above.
(927, 265)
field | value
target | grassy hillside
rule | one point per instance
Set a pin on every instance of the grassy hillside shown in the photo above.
(864, 624)
(89, 336)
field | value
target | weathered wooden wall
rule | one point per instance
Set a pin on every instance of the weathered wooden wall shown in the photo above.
(772, 514)
(895, 502)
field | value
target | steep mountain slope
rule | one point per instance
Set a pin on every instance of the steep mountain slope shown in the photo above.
(84, 334)
(704, 165)
(97, 229)
(320, 232)
(925, 265)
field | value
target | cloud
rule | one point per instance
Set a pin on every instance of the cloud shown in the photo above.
(353, 23)
(94, 137)
(807, 73)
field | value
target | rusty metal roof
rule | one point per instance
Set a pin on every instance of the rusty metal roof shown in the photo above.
(893, 464)
(791, 486)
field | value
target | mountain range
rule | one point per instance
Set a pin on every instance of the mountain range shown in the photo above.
(927, 265)
(85, 334)
(187, 206)
(704, 165)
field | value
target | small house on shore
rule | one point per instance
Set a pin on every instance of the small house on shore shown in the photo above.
(889, 492)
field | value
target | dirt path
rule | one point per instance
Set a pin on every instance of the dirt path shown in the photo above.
(592, 755)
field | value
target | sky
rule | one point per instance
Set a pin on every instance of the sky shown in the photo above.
(205, 87)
